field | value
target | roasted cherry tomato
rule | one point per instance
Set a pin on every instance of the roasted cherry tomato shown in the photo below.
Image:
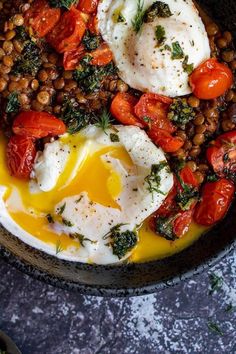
(122, 108)
(41, 17)
(88, 6)
(102, 55)
(211, 79)
(152, 109)
(188, 177)
(169, 205)
(165, 140)
(72, 58)
(38, 125)
(222, 155)
(68, 33)
(93, 24)
(21, 153)
(182, 222)
(215, 202)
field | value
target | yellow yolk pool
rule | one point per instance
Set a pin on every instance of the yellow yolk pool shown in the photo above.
(103, 185)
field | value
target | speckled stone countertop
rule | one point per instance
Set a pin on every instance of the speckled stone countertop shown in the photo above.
(45, 320)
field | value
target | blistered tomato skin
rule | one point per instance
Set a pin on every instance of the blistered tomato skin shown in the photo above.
(41, 17)
(21, 153)
(38, 125)
(122, 108)
(211, 79)
(222, 154)
(215, 201)
(68, 33)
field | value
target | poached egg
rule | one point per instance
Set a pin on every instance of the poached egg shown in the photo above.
(84, 185)
(145, 64)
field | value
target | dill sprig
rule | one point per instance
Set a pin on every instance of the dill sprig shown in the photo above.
(82, 239)
(139, 17)
(213, 327)
(59, 247)
(104, 121)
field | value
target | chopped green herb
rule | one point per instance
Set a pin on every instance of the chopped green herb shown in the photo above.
(50, 218)
(59, 247)
(157, 9)
(216, 283)
(160, 35)
(121, 242)
(67, 222)
(13, 103)
(139, 17)
(90, 77)
(188, 68)
(29, 61)
(21, 33)
(79, 200)
(65, 4)
(104, 121)
(114, 138)
(74, 117)
(164, 227)
(61, 209)
(186, 198)
(215, 328)
(177, 51)
(180, 112)
(154, 179)
(167, 47)
(91, 41)
(212, 178)
(81, 238)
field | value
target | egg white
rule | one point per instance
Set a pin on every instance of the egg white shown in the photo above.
(143, 65)
(135, 202)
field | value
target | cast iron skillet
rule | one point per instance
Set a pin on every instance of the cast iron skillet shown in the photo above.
(132, 279)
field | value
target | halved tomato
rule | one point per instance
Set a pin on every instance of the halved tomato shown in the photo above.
(88, 6)
(21, 153)
(165, 140)
(72, 58)
(102, 55)
(68, 33)
(38, 125)
(41, 17)
(152, 109)
(122, 108)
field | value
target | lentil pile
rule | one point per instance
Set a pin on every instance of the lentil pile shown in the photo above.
(34, 77)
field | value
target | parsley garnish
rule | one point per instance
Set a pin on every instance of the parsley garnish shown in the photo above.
(61, 209)
(154, 179)
(66, 4)
(188, 68)
(160, 35)
(13, 103)
(214, 328)
(177, 52)
(91, 41)
(121, 18)
(67, 222)
(121, 242)
(114, 138)
(157, 9)
(164, 227)
(180, 112)
(139, 17)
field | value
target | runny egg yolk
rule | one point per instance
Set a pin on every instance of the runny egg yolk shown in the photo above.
(94, 176)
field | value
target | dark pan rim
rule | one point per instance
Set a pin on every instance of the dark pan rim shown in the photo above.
(109, 291)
